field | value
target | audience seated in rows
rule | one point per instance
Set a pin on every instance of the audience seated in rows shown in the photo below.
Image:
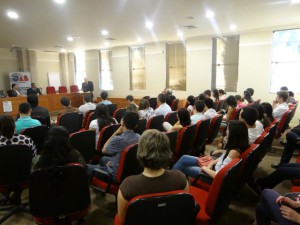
(291, 99)
(132, 107)
(262, 117)
(215, 95)
(145, 111)
(198, 112)
(207, 93)
(25, 121)
(190, 103)
(232, 105)
(163, 108)
(36, 110)
(155, 156)
(239, 101)
(130, 100)
(222, 94)
(183, 120)
(268, 110)
(209, 112)
(280, 105)
(104, 96)
(88, 105)
(103, 119)
(247, 98)
(169, 96)
(66, 103)
(114, 146)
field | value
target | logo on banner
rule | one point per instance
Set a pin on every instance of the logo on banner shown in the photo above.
(18, 77)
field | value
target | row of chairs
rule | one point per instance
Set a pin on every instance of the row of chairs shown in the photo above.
(61, 89)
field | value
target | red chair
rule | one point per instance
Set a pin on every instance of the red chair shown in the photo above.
(213, 203)
(59, 195)
(91, 116)
(141, 127)
(283, 123)
(71, 121)
(173, 207)
(74, 88)
(172, 135)
(85, 116)
(128, 165)
(111, 109)
(214, 128)
(105, 134)
(62, 89)
(50, 90)
(155, 122)
(200, 137)
(171, 117)
(153, 102)
(174, 105)
(119, 113)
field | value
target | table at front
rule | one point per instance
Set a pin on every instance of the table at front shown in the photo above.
(51, 102)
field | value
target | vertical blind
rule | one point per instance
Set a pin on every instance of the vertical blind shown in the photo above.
(106, 79)
(137, 68)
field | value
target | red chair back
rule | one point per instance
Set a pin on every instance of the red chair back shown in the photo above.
(201, 136)
(74, 88)
(153, 102)
(155, 122)
(141, 127)
(214, 127)
(171, 117)
(50, 90)
(62, 89)
(174, 105)
(119, 113)
(283, 123)
(105, 134)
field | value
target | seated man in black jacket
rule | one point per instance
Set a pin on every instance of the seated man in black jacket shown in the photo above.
(34, 90)
(37, 111)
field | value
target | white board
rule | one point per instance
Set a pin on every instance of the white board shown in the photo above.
(54, 80)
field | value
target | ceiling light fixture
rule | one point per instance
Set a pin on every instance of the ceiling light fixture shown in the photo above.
(295, 1)
(62, 50)
(139, 39)
(149, 25)
(179, 34)
(104, 32)
(106, 43)
(70, 38)
(12, 15)
(210, 14)
(60, 1)
(232, 27)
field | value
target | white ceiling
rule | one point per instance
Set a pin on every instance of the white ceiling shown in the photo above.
(44, 24)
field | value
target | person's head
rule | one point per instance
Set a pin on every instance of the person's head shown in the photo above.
(251, 90)
(65, 101)
(161, 99)
(132, 108)
(154, 150)
(146, 97)
(33, 100)
(184, 117)
(7, 126)
(268, 109)
(215, 93)
(291, 94)
(199, 106)
(14, 86)
(231, 101)
(260, 109)
(129, 98)
(190, 100)
(284, 88)
(201, 97)
(101, 111)
(33, 85)
(207, 93)
(222, 92)
(249, 115)
(247, 96)
(169, 91)
(86, 79)
(24, 108)
(87, 98)
(208, 102)
(238, 136)
(130, 120)
(282, 96)
(238, 98)
(104, 95)
(144, 104)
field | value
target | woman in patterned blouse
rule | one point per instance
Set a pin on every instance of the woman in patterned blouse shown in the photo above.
(145, 111)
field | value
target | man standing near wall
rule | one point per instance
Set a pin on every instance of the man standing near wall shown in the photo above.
(88, 86)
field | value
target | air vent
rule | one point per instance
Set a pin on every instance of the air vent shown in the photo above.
(110, 39)
(189, 27)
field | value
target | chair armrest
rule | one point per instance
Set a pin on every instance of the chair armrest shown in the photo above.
(103, 176)
(204, 178)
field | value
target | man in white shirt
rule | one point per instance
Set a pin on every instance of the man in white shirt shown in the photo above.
(249, 116)
(88, 104)
(197, 112)
(163, 107)
(209, 112)
(280, 105)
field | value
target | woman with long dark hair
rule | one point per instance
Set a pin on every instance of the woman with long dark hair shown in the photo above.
(184, 119)
(215, 94)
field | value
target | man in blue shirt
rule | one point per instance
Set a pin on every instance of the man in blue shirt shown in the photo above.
(25, 121)
(104, 96)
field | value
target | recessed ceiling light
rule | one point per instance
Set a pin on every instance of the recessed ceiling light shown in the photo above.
(12, 15)
(149, 25)
(60, 1)
(179, 34)
(106, 43)
(139, 39)
(70, 38)
(104, 32)
(295, 1)
(232, 27)
(210, 14)
(62, 50)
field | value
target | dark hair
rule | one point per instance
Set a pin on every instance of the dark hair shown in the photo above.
(184, 117)
(216, 94)
(247, 96)
(250, 115)
(146, 97)
(7, 126)
(144, 104)
(238, 98)
(268, 110)
(24, 108)
(208, 102)
(129, 98)
(201, 97)
(291, 94)
(32, 84)
(190, 99)
(103, 117)
(199, 105)
(207, 92)
(284, 88)
(87, 97)
(154, 150)
(161, 97)
(104, 95)
(132, 108)
(231, 101)
(33, 100)
(238, 136)
(13, 85)
(65, 101)
(221, 91)
(260, 109)
(283, 94)
(251, 90)
(131, 120)
(57, 149)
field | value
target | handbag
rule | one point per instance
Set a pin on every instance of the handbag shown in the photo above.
(204, 160)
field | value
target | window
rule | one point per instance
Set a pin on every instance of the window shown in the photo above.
(80, 71)
(106, 81)
(176, 66)
(225, 58)
(285, 62)
(137, 68)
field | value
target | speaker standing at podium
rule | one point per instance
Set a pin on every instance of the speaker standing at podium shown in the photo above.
(34, 90)
(88, 86)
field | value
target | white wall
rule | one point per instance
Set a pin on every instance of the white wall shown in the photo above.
(8, 63)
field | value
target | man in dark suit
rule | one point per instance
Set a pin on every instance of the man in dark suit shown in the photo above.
(34, 90)
(14, 91)
(37, 111)
(88, 86)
